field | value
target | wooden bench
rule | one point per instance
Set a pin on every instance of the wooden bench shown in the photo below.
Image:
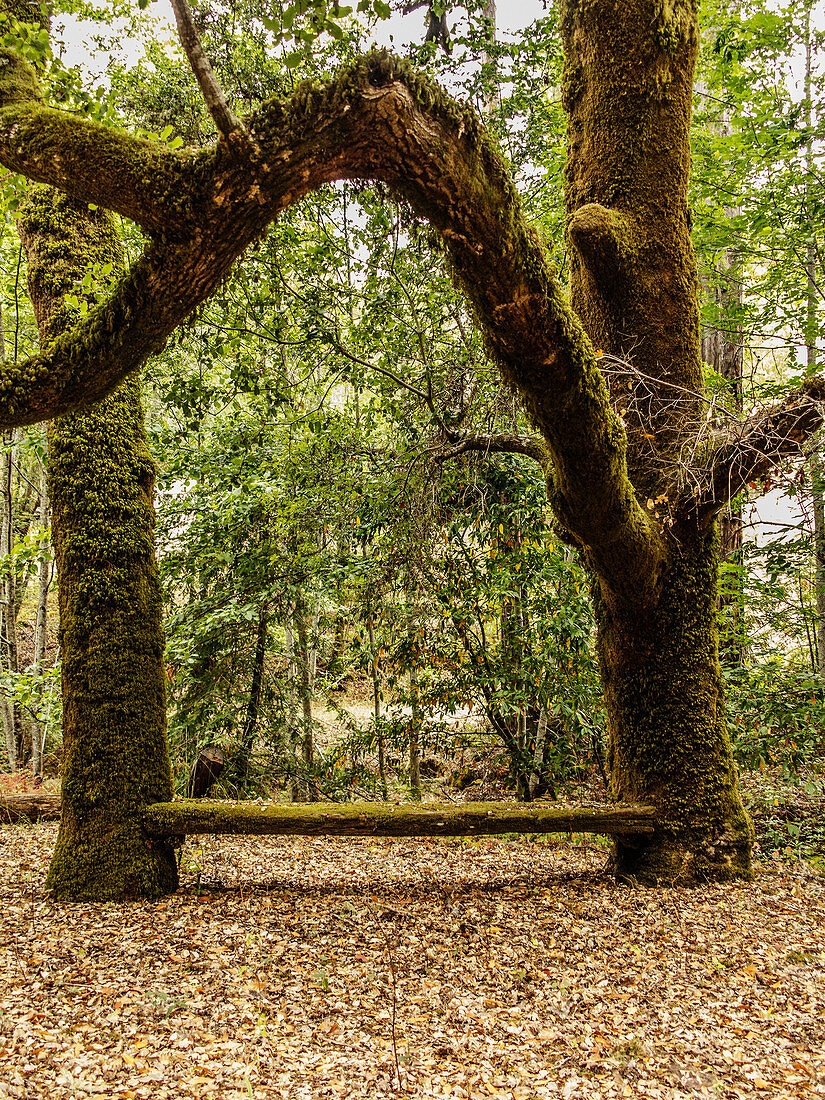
(186, 818)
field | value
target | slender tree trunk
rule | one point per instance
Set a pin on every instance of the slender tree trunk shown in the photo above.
(811, 334)
(723, 350)
(12, 712)
(376, 704)
(8, 726)
(7, 646)
(253, 704)
(101, 479)
(628, 94)
(488, 13)
(415, 736)
(306, 659)
(44, 578)
(534, 781)
(291, 727)
(818, 499)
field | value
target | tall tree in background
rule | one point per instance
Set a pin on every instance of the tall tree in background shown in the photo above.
(757, 190)
(611, 379)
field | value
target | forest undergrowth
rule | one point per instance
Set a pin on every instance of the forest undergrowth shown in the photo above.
(327, 968)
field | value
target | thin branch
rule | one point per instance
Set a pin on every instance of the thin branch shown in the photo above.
(339, 347)
(503, 443)
(229, 127)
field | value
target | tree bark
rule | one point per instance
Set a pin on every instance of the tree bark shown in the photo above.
(628, 94)
(101, 480)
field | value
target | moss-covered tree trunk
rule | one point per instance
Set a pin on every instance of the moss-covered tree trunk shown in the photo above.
(101, 480)
(628, 94)
(669, 743)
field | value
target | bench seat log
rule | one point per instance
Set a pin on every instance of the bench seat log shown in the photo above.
(164, 819)
(363, 818)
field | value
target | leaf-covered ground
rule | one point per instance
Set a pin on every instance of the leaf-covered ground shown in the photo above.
(332, 968)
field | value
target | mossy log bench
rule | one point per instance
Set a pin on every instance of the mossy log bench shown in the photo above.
(177, 819)
(383, 819)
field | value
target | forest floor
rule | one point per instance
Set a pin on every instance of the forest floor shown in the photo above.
(327, 968)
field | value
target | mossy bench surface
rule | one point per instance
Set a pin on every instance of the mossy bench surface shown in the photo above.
(363, 818)
(383, 819)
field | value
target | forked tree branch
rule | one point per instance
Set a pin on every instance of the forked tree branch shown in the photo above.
(747, 454)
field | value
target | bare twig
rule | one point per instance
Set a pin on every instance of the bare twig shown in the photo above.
(721, 452)
(759, 444)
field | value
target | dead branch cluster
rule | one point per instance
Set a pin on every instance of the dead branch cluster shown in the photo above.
(717, 451)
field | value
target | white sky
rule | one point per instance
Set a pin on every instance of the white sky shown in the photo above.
(511, 15)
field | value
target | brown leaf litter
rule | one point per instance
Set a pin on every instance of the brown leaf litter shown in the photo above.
(331, 968)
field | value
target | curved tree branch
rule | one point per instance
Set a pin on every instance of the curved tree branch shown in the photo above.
(532, 446)
(381, 120)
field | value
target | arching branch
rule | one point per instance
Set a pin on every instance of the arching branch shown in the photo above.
(381, 120)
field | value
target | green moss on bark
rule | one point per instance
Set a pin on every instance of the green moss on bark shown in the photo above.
(101, 481)
(382, 819)
(669, 742)
(628, 93)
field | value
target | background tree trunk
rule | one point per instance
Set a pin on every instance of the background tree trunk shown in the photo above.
(723, 350)
(376, 708)
(12, 715)
(291, 724)
(44, 579)
(811, 350)
(253, 705)
(306, 664)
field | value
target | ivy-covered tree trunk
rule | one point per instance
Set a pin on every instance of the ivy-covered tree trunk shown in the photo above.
(669, 743)
(101, 480)
(628, 94)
